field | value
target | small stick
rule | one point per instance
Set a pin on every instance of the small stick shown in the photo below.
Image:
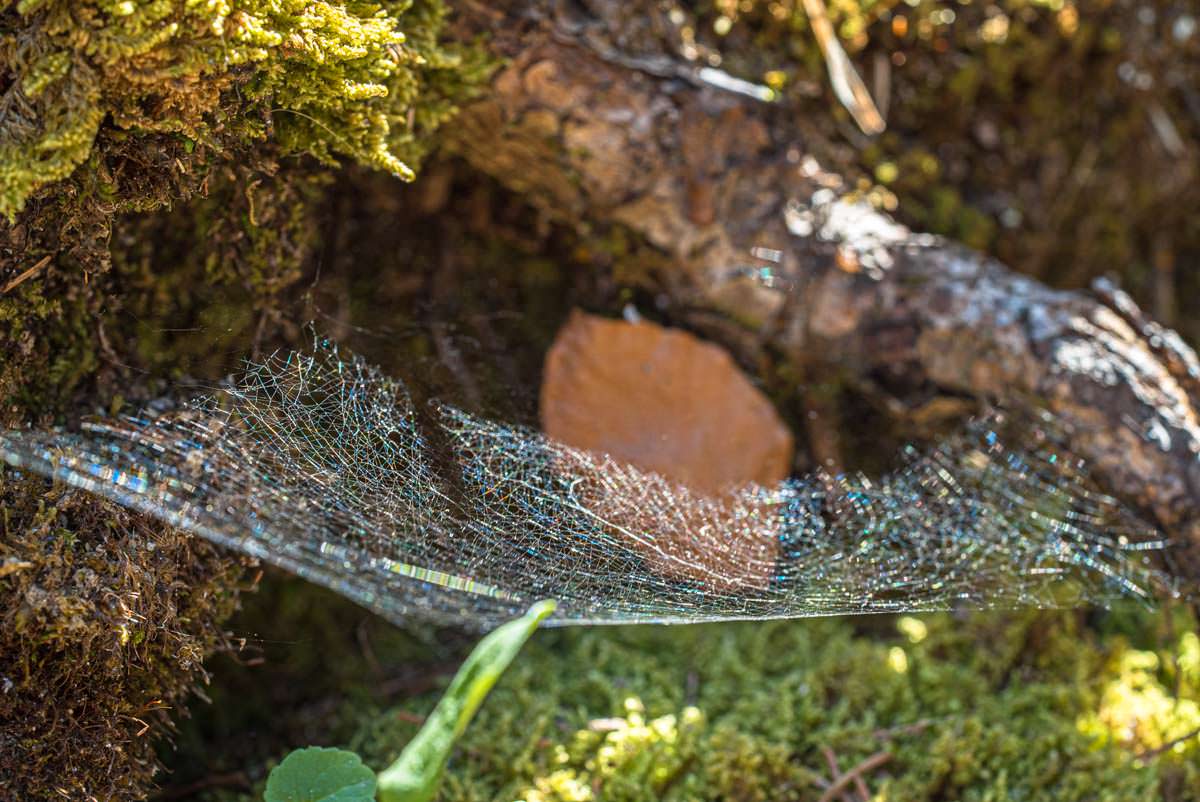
(864, 793)
(840, 783)
(831, 760)
(411, 718)
(848, 87)
(1168, 746)
(835, 774)
(45, 260)
(882, 67)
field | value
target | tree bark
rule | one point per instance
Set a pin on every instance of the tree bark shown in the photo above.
(598, 123)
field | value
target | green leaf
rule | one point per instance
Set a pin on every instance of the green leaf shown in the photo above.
(318, 774)
(415, 775)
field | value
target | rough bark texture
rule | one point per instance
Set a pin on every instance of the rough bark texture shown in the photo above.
(598, 123)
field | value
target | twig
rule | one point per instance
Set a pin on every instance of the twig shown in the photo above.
(864, 793)
(411, 718)
(666, 67)
(1168, 134)
(836, 778)
(831, 761)
(28, 274)
(840, 783)
(1168, 746)
(882, 80)
(848, 87)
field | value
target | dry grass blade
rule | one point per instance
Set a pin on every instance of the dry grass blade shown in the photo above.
(847, 85)
(25, 275)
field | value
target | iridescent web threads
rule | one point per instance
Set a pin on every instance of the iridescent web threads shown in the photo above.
(315, 462)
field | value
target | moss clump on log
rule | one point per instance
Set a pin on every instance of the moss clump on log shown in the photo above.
(154, 231)
(107, 617)
(324, 79)
(161, 162)
(113, 110)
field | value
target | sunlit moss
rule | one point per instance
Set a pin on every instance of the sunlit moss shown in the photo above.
(236, 107)
(912, 628)
(986, 708)
(1139, 710)
(322, 78)
(627, 755)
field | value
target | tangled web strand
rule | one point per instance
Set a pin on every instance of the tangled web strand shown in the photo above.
(318, 463)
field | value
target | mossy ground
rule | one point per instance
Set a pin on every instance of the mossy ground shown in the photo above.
(991, 706)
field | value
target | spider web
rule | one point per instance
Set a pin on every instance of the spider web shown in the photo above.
(319, 463)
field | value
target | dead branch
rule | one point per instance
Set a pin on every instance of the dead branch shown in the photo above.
(706, 174)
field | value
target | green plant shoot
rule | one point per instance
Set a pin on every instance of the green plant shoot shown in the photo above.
(415, 775)
(335, 775)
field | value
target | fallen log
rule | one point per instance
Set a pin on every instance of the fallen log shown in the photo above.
(596, 122)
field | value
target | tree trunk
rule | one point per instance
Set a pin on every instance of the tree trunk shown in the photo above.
(597, 123)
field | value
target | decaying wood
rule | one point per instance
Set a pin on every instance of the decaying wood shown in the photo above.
(598, 123)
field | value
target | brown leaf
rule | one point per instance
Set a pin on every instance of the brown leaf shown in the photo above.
(663, 402)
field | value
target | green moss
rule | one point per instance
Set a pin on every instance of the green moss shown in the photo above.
(45, 332)
(325, 79)
(107, 618)
(193, 113)
(993, 707)
(260, 231)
